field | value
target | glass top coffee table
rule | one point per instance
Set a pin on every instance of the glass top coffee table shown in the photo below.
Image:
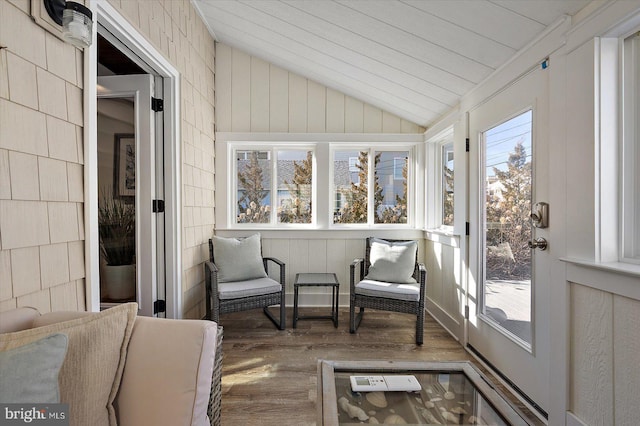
(453, 393)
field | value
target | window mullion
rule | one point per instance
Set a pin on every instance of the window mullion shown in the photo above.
(371, 187)
(274, 187)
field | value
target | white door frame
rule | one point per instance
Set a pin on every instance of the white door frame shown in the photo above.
(111, 19)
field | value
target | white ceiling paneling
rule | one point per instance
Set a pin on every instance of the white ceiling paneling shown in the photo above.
(324, 69)
(412, 58)
(460, 68)
(306, 44)
(428, 28)
(368, 54)
(545, 12)
(484, 18)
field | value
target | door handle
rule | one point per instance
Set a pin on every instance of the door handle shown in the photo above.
(539, 243)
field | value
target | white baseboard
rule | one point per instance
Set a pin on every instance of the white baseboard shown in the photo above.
(442, 324)
(573, 420)
(496, 376)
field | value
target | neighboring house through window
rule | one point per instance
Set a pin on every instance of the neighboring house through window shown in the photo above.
(293, 179)
(356, 202)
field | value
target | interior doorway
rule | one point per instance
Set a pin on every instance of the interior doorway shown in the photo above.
(130, 179)
(163, 273)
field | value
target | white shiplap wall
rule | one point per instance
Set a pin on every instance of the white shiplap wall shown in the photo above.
(255, 96)
(446, 296)
(604, 305)
(605, 356)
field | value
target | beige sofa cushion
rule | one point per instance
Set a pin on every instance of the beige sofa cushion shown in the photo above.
(167, 379)
(17, 319)
(90, 375)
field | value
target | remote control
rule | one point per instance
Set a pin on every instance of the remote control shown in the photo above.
(384, 383)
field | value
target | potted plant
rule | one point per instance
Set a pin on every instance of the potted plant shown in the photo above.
(116, 226)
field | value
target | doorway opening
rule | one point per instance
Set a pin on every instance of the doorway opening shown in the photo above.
(130, 179)
(157, 226)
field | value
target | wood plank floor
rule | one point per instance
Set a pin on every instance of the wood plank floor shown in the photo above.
(269, 376)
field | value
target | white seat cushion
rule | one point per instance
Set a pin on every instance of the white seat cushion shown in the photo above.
(409, 292)
(238, 289)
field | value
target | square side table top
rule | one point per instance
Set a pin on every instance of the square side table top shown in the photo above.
(316, 278)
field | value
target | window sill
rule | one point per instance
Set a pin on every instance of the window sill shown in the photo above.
(318, 234)
(613, 277)
(615, 267)
(442, 236)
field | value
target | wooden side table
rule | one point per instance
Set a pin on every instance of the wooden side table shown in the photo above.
(315, 279)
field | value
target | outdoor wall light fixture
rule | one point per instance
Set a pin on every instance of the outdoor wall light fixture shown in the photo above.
(75, 18)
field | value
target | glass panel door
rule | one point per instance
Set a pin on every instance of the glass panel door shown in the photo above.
(507, 229)
(509, 282)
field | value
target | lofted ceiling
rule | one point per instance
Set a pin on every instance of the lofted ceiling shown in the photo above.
(413, 58)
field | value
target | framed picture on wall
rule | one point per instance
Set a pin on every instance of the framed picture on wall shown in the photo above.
(124, 170)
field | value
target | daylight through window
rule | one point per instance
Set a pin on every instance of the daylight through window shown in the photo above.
(351, 185)
(256, 176)
(447, 184)
(317, 186)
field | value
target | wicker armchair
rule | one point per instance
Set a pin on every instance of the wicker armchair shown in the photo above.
(387, 297)
(216, 305)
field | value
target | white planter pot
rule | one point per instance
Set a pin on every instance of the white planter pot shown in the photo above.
(118, 282)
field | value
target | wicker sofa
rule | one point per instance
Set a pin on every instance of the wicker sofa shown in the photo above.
(169, 371)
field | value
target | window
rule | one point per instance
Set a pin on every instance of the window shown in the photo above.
(295, 176)
(246, 155)
(302, 184)
(399, 167)
(254, 187)
(350, 184)
(630, 158)
(447, 184)
(290, 179)
(354, 202)
(353, 164)
(390, 180)
(440, 181)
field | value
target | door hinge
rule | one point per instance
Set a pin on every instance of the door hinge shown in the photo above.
(466, 312)
(467, 230)
(159, 306)
(466, 146)
(158, 206)
(157, 104)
